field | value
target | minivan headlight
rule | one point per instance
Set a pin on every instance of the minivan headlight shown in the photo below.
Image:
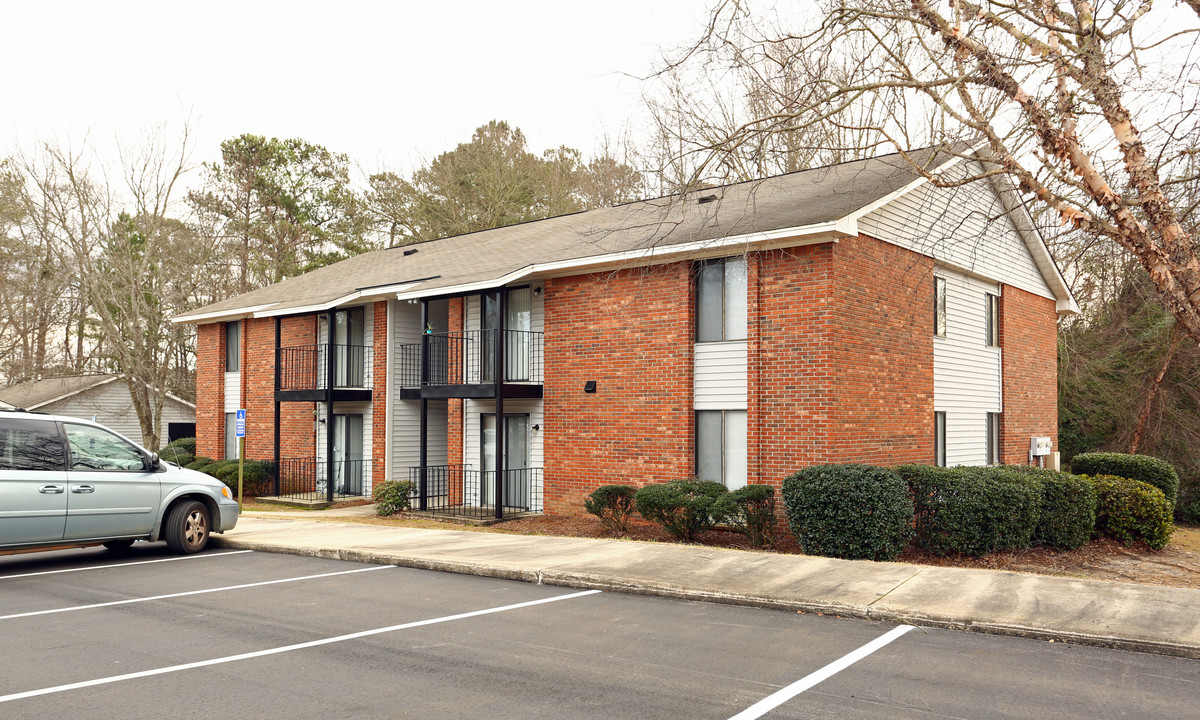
(225, 491)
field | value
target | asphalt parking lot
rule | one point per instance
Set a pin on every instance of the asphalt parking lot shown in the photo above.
(238, 634)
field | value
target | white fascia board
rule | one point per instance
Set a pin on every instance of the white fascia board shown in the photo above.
(374, 292)
(64, 396)
(788, 237)
(222, 315)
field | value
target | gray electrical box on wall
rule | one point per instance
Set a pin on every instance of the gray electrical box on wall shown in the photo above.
(1040, 446)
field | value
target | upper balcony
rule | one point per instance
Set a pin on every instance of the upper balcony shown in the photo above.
(305, 373)
(472, 364)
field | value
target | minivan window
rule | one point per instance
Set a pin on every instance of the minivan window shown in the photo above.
(30, 445)
(96, 449)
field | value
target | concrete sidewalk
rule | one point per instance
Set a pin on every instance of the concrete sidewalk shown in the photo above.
(1146, 618)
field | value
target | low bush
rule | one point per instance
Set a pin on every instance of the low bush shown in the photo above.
(614, 505)
(183, 445)
(1159, 473)
(392, 497)
(751, 510)
(849, 511)
(973, 510)
(683, 508)
(1188, 509)
(1068, 514)
(199, 462)
(178, 457)
(256, 477)
(1131, 510)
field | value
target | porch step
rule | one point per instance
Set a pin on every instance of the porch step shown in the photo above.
(303, 503)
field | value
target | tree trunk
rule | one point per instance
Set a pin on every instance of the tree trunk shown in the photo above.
(1144, 416)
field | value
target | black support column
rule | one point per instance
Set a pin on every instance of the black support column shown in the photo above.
(278, 359)
(499, 345)
(423, 481)
(330, 376)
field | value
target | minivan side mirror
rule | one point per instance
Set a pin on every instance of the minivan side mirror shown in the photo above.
(153, 463)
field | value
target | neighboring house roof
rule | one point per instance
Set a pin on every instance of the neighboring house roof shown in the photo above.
(786, 210)
(39, 393)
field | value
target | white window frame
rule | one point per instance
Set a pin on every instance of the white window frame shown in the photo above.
(234, 352)
(733, 308)
(727, 469)
(993, 438)
(991, 319)
(939, 438)
(940, 315)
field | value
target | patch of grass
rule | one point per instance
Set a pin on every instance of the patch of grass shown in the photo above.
(1187, 538)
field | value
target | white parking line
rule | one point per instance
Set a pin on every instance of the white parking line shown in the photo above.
(192, 592)
(139, 562)
(286, 648)
(774, 700)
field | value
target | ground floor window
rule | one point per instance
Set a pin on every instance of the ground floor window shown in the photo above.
(231, 440)
(939, 439)
(721, 447)
(993, 438)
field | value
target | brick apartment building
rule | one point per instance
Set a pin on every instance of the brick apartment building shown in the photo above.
(853, 313)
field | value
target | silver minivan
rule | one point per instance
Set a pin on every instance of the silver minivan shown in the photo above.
(67, 482)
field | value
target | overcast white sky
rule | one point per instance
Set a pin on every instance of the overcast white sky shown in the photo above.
(385, 82)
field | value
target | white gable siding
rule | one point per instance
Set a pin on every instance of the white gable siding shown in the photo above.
(966, 373)
(406, 414)
(233, 391)
(111, 405)
(720, 375)
(964, 226)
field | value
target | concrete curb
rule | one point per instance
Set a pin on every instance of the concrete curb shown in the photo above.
(610, 583)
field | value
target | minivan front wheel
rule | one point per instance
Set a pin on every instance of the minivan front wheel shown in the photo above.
(187, 527)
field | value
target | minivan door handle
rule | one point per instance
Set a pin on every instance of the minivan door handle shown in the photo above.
(83, 489)
(51, 489)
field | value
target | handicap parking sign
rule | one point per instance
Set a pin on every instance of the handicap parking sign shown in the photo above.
(240, 425)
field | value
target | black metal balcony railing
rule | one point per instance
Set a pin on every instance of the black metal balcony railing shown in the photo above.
(469, 357)
(465, 492)
(308, 478)
(305, 367)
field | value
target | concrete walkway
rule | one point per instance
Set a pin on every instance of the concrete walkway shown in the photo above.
(1146, 618)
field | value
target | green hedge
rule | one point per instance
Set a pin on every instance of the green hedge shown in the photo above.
(751, 510)
(614, 505)
(683, 507)
(1068, 514)
(849, 511)
(973, 510)
(392, 497)
(256, 477)
(1129, 510)
(183, 445)
(1155, 471)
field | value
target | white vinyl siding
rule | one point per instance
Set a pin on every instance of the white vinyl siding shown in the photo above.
(720, 376)
(358, 408)
(963, 226)
(233, 391)
(966, 372)
(111, 405)
(515, 406)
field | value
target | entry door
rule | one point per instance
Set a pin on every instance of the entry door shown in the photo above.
(33, 482)
(348, 339)
(112, 491)
(518, 320)
(348, 454)
(516, 455)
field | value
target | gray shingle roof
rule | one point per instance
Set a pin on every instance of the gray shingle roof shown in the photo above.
(795, 200)
(32, 394)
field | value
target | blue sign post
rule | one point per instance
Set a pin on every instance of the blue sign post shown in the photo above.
(240, 428)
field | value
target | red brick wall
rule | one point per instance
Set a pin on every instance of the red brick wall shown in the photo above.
(631, 332)
(883, 373)
(1028, 341)
(378, 430)
(297, 421)
(454, 408)
(210, 390)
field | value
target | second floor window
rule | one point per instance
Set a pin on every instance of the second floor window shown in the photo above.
(992, 319)
(232, 345)
(721, 289)
(939, 306)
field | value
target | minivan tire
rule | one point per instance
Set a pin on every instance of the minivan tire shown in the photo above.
(188, 527)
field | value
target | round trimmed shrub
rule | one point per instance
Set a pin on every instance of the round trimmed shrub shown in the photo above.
(1159, 473)
(973, 510)
(1129, 510)
(613, 504)
(683, 507)
(849, 511)
(1068, 514)
(183, 445)
(199, 463)
(751, 510)
(392, 497)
